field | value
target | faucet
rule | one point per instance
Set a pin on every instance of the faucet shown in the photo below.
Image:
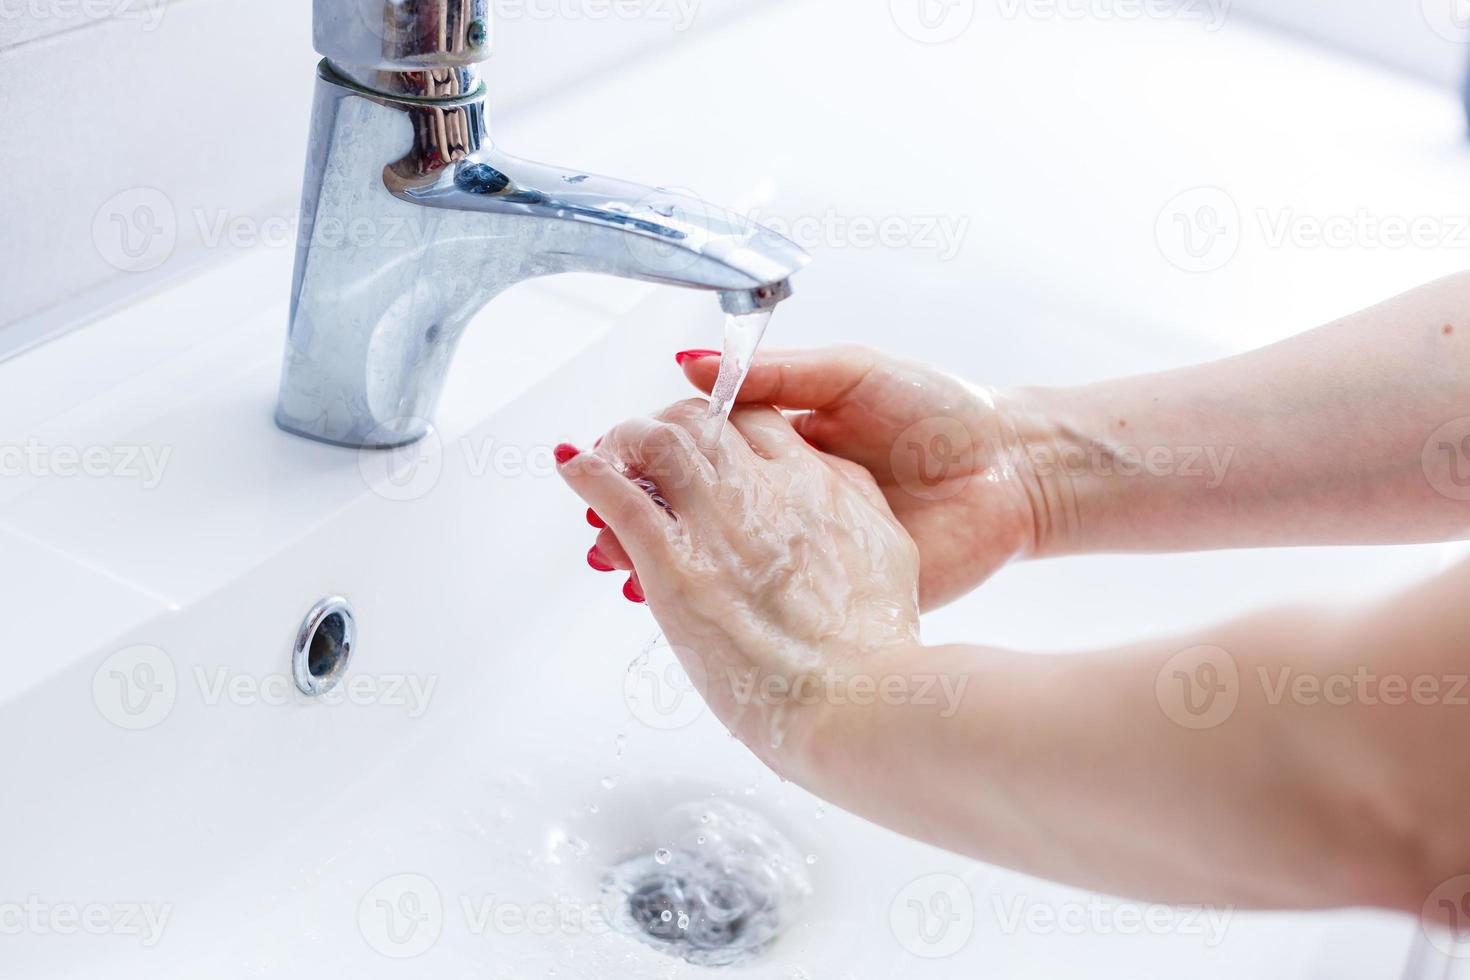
(412, 221)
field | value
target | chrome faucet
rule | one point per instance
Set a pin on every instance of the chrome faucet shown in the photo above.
(411, 222)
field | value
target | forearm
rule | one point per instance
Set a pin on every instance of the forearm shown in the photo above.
(1335, 436)
(1318, 773)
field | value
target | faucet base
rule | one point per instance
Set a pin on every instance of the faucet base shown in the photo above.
(285, 425)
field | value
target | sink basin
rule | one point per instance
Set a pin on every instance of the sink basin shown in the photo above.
(497, 744)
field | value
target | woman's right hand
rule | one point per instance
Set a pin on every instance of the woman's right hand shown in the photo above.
(777, 573)
(946, 455)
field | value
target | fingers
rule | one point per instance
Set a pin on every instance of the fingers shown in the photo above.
(646, 472)
(608, 554)
(767, 431)
(813, 379)
(867, 445)
(633, 589)
(641, 524)
(692, 415)
(663, 451)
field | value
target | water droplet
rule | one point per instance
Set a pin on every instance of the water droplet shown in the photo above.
(683, 920)
(700, 839)
(663, 855)
(609, 782)
(666, 915)
(593, 809)
(576, 179)
(562, 844)
(620, 743)
(663, 208)
(811, 859)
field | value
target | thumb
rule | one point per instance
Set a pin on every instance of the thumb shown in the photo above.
(811, 379)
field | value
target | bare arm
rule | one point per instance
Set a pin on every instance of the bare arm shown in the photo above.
(1294, 760)
(1355, 433)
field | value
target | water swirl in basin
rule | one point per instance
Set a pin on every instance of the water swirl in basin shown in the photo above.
(722, 888)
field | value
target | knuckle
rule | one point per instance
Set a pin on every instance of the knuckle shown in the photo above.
(668, 438)
(665, 454)
(858, 353)
(685, 410)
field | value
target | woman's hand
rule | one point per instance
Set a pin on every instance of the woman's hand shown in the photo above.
(788, 590)
(946, 455)
(774, 570)
(1245, 764)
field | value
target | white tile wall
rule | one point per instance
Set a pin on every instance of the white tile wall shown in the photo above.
(204, 106)
(195, 112)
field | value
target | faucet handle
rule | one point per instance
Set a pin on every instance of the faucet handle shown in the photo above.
(401, 35)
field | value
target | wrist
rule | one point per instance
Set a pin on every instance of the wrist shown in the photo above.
(1105, 470)
(844, 735)
(1039, 439)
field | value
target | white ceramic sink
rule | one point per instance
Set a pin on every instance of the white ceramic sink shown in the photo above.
(290, 839)
(496, 673)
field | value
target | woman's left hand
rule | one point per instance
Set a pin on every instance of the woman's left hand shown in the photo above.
(772, 568)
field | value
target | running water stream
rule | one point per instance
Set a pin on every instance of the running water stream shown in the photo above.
(743, 333)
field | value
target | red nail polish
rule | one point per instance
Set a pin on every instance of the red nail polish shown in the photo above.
(594, 520)
(595, 559)
(631, 592)
(565, 452)
(693, 355)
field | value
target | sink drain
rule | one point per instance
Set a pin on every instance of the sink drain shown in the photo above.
(724, 891)
(324, 646)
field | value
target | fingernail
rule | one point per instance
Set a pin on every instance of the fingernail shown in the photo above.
(693, 355)
(594, 520)
(565, 452)
(595, 559)
(631, 591)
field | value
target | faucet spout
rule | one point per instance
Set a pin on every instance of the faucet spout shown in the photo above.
(412, 221)
(585, 223)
